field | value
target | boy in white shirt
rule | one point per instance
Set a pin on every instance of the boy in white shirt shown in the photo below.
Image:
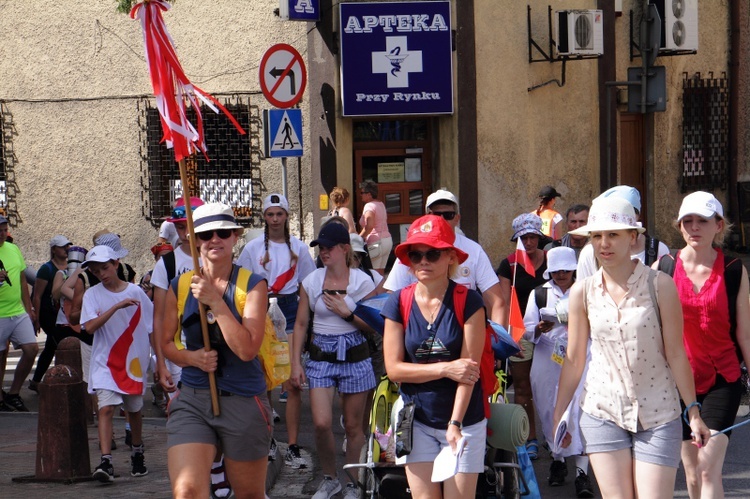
(119, 315)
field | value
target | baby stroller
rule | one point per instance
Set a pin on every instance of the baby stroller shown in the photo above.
(378, 478)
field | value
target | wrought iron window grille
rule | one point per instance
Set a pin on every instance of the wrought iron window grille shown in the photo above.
(232, 176)
(8, 186)
(705, 132)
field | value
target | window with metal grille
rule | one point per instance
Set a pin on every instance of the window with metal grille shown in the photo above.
(7, 163)
(232, 176)
(705, 132)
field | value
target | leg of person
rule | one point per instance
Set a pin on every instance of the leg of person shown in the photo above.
(471, 462)
(22, 336)
(220, 486)
(189, 466)
(248, 478)
(419, 476)
(656, 455)
(293, 456)
(321, 403)
(614, 473)
(134, 406)
(105, 472)
(45, 358)
(353, 407)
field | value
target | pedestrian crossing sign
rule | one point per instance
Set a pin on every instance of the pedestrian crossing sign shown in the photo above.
(282, 132)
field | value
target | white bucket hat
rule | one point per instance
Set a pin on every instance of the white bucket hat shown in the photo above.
(214, 216)
(700, 203)
(609, 213)
(560, 258)
(113, 242)
(358, 244)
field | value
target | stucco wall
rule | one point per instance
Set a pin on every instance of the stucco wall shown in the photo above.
(528, 139)
(78, 167)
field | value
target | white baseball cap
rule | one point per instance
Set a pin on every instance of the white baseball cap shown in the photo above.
(700, 203)
(59, 240)
(99, 254)
(275, 200)
(629, 194)
(441, 195)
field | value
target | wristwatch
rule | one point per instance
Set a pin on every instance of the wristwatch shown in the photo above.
(455, 422)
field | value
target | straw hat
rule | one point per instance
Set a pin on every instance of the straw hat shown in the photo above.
(214, 216)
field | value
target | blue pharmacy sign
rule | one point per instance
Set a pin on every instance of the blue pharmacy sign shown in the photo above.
(300, 10)
(396, 58)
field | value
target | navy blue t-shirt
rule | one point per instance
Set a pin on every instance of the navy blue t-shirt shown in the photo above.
(433, 400)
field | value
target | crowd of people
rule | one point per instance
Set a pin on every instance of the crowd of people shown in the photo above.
(636, 348)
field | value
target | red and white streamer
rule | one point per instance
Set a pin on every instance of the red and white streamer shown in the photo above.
(172, 88)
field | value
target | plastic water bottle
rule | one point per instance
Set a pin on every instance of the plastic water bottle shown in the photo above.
(277, 318)
(280, 349)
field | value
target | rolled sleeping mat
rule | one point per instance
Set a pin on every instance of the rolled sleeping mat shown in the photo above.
(508, 426)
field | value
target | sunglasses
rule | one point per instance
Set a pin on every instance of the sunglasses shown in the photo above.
(448, 215)
(208, 235)
(432, 256)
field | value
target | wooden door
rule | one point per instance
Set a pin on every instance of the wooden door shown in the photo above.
(632, 159)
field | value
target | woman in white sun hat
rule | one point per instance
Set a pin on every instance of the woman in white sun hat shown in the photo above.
(236, 301)
(638, 371)
(713, 291)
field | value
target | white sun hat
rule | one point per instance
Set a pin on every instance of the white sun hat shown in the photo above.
(609, 213)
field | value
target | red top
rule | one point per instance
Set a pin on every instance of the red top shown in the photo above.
(708, 345)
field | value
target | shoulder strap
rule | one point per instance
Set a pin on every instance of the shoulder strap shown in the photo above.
(183, 288)
(84, 276)
(540, 296)
(240, 288)
(652, 250)
(170, 264)
(668, 262)
(405, 299)
(732, 281)
(460, 293)
(652, 275)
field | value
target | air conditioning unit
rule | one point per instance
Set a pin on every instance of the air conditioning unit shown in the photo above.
(679, 24)
(579, 32)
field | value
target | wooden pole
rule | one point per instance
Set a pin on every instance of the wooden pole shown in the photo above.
(196, 266)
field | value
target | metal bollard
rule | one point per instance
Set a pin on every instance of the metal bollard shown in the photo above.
(62, 448)
(69, 353)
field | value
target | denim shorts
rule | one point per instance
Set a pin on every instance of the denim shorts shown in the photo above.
(659, 445)
(428, 442)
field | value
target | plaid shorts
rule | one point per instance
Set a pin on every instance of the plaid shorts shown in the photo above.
(348, 377)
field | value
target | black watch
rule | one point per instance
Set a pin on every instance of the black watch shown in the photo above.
(349, 318)
(455, 422)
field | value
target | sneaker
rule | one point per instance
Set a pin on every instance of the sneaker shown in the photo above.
(220, 487)
(351, 491)
(276, 417)
(283, 397)
(557, 473)
(15, 402)
(105, 473)
(272, 450)
(137, 466)
(129, 439)
(294, 458)
(33, 386)
(328, 488)
(583, 485)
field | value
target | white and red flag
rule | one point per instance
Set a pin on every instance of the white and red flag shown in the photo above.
(172, 88)
(522, 258)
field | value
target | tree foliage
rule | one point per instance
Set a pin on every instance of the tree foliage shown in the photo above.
(124, 6)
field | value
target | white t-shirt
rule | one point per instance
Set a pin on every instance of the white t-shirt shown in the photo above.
(183, 262)
(121, 351)
(280, 262)
(326, 321)
(587, 261)
(168, 232)
(475, 273)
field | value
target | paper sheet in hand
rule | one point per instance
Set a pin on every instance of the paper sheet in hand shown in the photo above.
(561, 431)
(446, 463)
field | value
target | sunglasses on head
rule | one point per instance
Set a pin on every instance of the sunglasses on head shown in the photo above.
(208, 235)
(432, 255)
(448, 215)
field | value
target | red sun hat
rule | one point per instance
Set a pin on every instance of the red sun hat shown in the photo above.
(432, 231)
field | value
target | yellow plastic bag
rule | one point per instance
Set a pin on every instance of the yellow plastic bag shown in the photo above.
(274, 357)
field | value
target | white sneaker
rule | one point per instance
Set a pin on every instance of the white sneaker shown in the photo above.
(294, 458)
(272, 450)
(276, 417)
(351, 491)
(328, 488)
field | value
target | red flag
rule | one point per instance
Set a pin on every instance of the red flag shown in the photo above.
(517, 328)
(523, 259)
(172, 88)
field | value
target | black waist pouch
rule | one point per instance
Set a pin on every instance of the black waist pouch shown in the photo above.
(404, 435)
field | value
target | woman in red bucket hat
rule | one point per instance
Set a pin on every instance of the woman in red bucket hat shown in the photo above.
(437, 361)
